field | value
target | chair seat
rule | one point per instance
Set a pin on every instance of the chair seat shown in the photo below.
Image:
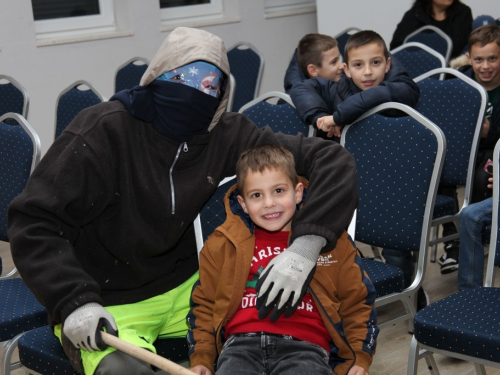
(444, 206)
(467, 322)
(41, 351)
(21, 312)
(385, 278)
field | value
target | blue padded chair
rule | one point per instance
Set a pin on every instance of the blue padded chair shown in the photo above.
(279, 117)
(72, 100)
(433, 37)
(343, 36)
(213, 213)
(40, 352)
(418, 58)
(399, 161)
(129, 74)
(246, 64)
(466, 324)
(13, 97)
(19, 311)
(457, 106)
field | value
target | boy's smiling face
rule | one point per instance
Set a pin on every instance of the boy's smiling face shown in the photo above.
(331, 66)
(270, 199)
(485, 61)
(367, 65)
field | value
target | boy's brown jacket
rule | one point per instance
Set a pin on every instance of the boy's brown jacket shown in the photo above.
(340, 287)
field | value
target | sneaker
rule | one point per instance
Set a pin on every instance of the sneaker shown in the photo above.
(449, 260)
(422, 299)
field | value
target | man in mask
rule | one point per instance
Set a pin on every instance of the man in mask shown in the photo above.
(103, 232)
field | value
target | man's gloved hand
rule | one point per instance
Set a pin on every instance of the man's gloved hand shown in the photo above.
(286, 278)
(82, 327)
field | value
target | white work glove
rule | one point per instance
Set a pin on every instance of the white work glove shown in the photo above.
(285, 280)
(83, 326)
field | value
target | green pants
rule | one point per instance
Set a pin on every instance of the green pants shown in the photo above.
(143, 322)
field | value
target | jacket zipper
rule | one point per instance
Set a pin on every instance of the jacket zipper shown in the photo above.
(184, 148)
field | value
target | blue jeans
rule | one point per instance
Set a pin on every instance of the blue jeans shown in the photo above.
(271, 355)
(473, 219)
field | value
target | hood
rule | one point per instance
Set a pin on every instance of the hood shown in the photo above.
(459, 62)
(183, 46)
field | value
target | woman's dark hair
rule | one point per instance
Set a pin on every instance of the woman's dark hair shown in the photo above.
(427, 5)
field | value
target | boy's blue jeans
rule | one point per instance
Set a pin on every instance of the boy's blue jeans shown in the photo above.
(473, 219)
(271, 355)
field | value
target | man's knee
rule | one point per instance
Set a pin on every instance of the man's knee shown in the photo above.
(118, 363)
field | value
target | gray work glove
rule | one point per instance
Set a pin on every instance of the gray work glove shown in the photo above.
(285, 280)
(83, 326)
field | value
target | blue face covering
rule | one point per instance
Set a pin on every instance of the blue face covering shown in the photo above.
(200, 75)
(178, 104)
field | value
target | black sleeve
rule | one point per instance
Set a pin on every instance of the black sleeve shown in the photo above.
(313, 98)
(408, 24)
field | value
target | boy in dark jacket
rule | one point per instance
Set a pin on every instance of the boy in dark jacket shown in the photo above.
(317, 55)
(334, 327)
(371, 78)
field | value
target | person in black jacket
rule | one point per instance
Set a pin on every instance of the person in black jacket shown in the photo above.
(372, 77)
(103, 233)
(451, 16)
(317, 55)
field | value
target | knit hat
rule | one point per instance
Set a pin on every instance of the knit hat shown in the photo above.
(482, 20)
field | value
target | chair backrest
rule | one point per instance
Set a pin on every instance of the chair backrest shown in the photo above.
(343, 36)
(494, 248)
(418, 58)
(433, 37)
(457, 106)
(13, 97)
(246, 64)
(399, 161)
(19, 154)
(232, 90)
(213, 213)
(72, 100)
(279, 117)
(129, 74)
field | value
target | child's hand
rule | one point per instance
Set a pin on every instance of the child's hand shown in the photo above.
(357, 370)
(327, 124)
(485, 129)
(490, 180)
(201, 370)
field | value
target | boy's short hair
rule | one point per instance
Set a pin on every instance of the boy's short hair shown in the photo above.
(260, 158)
(311, 48)
(484, 35)
(362, 38)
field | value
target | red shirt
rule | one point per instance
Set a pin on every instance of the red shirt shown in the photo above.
(304, 324)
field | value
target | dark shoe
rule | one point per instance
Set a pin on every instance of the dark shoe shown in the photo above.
(449, 260)
(422, 299)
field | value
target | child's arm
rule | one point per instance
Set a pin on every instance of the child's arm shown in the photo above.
(357, 295)
(396, 87)
(202, 370)
(293, 73)
(200, 337)
(313, 98)
(357, 370)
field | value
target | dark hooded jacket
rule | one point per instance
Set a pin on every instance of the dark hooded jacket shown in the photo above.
(318, 97)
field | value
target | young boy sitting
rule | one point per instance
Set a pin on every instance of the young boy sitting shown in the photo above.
(371, 78)
(317, 55)
(334, 327)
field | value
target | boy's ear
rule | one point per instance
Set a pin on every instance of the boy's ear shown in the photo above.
(346, 70)
(388, 65)
(312, 70)
(299, 192)
(241, 201)
(468, 57)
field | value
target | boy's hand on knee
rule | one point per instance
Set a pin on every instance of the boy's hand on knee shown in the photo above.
(84, 325)
(357, 370)
(201, 370)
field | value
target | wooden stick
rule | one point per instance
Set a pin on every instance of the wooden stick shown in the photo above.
(145, 355)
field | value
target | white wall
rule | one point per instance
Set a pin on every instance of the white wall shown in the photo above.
(381, 15)
(46, 71)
